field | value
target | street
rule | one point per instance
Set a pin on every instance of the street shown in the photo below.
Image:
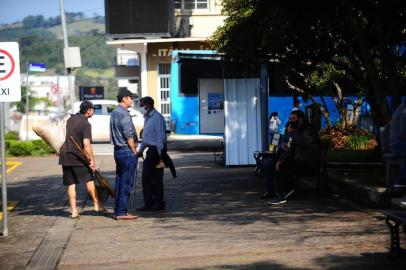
(214, 220)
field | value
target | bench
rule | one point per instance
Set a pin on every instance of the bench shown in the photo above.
(391, 160)
(219, 155)
(260, 155)
(394, 219)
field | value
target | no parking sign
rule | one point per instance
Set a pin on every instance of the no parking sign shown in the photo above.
(10, 85)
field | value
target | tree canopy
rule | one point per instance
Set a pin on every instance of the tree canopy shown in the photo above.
(314, 47)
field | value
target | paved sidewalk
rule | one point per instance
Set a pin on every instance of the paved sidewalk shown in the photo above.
(214, 220)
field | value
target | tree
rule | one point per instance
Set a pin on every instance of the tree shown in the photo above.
(33, 21)
(361, 40)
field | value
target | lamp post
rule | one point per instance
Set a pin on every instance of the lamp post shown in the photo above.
(264, 93)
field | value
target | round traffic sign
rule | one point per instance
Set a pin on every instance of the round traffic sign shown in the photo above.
(7, 65)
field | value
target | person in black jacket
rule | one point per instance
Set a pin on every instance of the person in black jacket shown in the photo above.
(301, 157)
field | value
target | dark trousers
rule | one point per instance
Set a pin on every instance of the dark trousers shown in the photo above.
(268, 168)
(152, 179)
(283, 181)
(285, 178)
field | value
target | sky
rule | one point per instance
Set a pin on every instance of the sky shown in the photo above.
(16, 10)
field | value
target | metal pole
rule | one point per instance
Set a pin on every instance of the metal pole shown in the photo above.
(264, 100)
(27, 87)
(58, 96)
(3, 170)
(66, 45)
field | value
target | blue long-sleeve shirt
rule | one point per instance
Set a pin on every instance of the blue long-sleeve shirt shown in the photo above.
(121, 127)
(154, 131)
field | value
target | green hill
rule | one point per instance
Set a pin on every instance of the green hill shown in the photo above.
(79, 28)
(45, 45)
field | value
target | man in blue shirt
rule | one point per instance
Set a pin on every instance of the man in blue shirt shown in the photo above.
(124, 138)
(154, 138)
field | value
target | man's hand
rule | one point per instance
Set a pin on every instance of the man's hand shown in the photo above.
(92, 165)
(278, 166)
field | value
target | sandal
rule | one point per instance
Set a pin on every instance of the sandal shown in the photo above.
(101, 210)
(75, 215)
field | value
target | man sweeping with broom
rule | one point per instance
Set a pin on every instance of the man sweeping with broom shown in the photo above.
(74, 166)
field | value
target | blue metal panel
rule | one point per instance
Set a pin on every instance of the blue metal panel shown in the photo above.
(184, 110)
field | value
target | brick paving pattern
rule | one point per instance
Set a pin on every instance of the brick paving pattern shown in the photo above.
(214, 220)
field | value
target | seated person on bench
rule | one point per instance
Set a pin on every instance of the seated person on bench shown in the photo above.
(397, 141)
(301, 158)
(269, 163)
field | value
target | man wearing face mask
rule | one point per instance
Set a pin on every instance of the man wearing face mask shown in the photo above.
(124, 138)
(301, 157)
(154, 140)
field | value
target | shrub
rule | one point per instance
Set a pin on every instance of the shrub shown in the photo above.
(358, 142)
(20, 148)
(41, 148)
(12, 135)
(28, 148)
(352, 139)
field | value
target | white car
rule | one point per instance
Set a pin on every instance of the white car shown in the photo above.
(101, 119)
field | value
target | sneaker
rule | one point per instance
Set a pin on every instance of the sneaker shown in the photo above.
(266, 195)
(399, 185)
(277, 200)
(286, 195)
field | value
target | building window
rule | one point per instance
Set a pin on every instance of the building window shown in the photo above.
(164, 75)
(191, 4)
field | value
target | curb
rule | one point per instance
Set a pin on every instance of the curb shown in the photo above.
(371, 197)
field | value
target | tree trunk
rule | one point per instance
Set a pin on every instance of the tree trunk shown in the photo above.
(372, 72)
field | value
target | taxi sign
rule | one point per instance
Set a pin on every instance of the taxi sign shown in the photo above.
(10, 84)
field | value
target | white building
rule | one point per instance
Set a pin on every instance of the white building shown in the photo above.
(54, 88)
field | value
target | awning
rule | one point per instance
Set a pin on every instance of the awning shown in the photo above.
(182, 57)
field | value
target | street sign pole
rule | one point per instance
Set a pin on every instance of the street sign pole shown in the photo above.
(10, 85)
(3, 169)
(27, 88)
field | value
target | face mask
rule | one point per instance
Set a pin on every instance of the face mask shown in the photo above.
(143, 110)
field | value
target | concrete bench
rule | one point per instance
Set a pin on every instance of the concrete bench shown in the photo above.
(395, 219)
(391, 160)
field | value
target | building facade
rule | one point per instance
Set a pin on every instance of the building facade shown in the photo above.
(144, 64)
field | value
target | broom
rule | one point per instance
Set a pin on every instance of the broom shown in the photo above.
(103, 182)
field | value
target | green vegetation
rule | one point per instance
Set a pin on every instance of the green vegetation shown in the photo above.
(28, 148)
(12, 135)
(41, 41)
(320, 48)
(348, 139)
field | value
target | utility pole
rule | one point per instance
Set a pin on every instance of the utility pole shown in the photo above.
(27, 89)
(66, 45)
(264, 92)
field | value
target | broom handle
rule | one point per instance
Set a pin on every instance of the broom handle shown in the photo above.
(83, 151)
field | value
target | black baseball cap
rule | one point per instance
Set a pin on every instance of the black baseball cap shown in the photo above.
(125, 93)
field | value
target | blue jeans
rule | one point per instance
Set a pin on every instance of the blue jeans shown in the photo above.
(126, 166)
